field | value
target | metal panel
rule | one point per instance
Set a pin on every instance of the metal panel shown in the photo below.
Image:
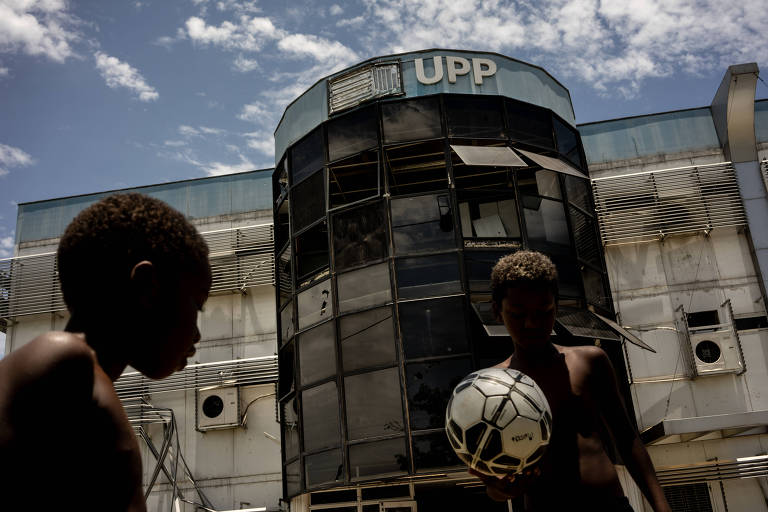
(651, 205)
(488, 156)
(354, 88)
(240, 258)
(553, 164)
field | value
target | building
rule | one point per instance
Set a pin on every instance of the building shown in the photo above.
(398, 183)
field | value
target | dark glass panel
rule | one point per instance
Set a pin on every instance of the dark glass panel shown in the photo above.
(474, 116)
(567, 274)
(282, 224)
(488, 216)
(284, 276)
(479, 265)
(489, 350)
(529, 124)
(378, 458)
(433, 451)
(280, 182)
(320, 416)
(359, 236)
(433, 327)
(307, 156)
(367, 339)
(287, 324)
(411, 120)
(293, 479)
(585, 236)
(352, 133)
(423, 223)
(579, 193)
(417, 167)
(315, 304)
(290, 419)
(308, 200)
(567, 141)
(330, 497)
(317, 353)
(538, 183)
(430, 385)
(312, 250)
(545, 220)
(594, 288)
(323, 468)
(365, 287)
(374, 404)
(287, 366)
(428, 276)
(385, 493)
(353, 179)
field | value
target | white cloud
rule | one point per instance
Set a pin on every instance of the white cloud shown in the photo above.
(262, 141)
(255, 112)
(245, 65)
(321, 49)
(211, 131)
(6, 247)
(4, 71)
(219, 168)
(175, 143)
(121, 74)
(37, 27)
(188, 131)
(336, 9)
(246, 34)
(13, 157)
(357, 21)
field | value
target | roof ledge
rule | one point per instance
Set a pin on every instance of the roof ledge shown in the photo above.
(702, 428)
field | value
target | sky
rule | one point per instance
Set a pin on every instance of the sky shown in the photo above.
(104, 94)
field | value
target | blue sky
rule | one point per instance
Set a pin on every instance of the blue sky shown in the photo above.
(104, 94)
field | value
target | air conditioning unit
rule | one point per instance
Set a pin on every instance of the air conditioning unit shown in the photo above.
(716, 352)
(217, 408)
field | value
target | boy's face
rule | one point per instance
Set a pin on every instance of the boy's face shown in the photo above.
(528, 313)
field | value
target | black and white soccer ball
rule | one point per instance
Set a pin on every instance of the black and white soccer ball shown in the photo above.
(498, 421)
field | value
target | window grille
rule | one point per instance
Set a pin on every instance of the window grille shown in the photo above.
(240, 258)
(370, 82)
(688, 498)
(651, 205)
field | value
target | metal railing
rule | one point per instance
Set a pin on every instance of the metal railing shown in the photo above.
(240, 258)
(652, 205)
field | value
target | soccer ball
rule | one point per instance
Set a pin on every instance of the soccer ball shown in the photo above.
(498, 421)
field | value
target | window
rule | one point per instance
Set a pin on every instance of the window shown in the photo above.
(474, 116)
(353, 179)
(567, 275)
(585, 236)
(308, 199)
(423, 223)
(545, 220)
(352, 133)
(285, 381)
(433, 451)
(282, 225)
(688, 498)
(428, 276)
(529, 124)
(290, 419)
(359, 236)
(703, 318)
(567, 141)
(323, 468)
(594, 288)
(317, 353)
(293, 478)
(478, 167)
(374, 404)
(363, 288)
(430, 385)
(307, 156)
(287, 327)
(579, 193)
(367, 339)
(280, 182)
(433, 327)
(378, 458)
(479, 265)
(315, 304)
(320, 406)
(538, 183)
(312, 250)
(751, 322)
(409, 120)
(488, 216)
(416, 167)
(284, 276)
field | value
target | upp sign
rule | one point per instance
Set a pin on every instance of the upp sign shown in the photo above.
(455, 66)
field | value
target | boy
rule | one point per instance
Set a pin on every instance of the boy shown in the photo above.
(580, 385)
(134, 274)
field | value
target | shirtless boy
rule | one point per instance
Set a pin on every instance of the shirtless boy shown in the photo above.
(134, 273)
(580, 385)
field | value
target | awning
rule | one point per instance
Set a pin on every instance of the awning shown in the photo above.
(586, 324)
(492, 326)
(553, 164)
(702, 428)
(488, 156)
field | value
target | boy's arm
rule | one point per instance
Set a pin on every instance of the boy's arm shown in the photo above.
(628, 443)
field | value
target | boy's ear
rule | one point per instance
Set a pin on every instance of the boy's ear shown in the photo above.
(144, 282)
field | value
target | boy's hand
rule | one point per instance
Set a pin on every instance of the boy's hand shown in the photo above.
(510, 486)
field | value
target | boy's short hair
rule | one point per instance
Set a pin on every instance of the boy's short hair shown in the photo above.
(104, 242)
(522, 268)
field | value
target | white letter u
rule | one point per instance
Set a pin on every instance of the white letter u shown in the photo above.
(421, 77)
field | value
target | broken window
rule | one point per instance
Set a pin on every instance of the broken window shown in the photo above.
(315, 304)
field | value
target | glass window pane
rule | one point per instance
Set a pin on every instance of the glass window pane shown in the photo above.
(433, 451)
(293, 479)
(579, 193)
(280, 182)
(567, 275)
(472, 176)
(594, 288)
(308, 199)
(315, 304)
(312, 250)
(567, 141)
(307, 156)
(359, 236)
(286, 365)
(317, 353)
(479, 265)
(529, 124)
(378, 459)
(411, 120)
(430, 385)
(320, 416)
(415, 168)
(374, 404)
(363, 288)
(489, 217)
(588, 245)
(367, 339)
(290, 429)
(428, 276)
(545, 220)
(474, 116)
(353, 179)
(352, 133)
(284, 276)
(282, 224)
(423, 223)
(323, 468)
(287, 327)
(539, 183)
(433, 327)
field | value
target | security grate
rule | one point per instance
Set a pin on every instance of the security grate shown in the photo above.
(688, 498)
(240, 258)
(651, 205)
(360, 85)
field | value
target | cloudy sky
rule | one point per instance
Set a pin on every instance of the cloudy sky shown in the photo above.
(106, 94)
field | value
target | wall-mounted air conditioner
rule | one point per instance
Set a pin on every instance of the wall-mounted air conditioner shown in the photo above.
(217, 408)
(716, 352)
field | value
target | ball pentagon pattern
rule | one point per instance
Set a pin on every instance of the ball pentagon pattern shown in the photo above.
(498, 421)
